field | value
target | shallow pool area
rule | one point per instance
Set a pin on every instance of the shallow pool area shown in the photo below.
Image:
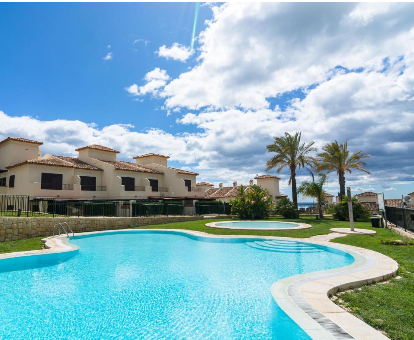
(258, 225)
(157, 284)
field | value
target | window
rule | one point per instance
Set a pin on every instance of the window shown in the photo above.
(129, 183)
(11, 181)
(88, 183)
(3, 182)
(187, 183)
(51, 181)
(154, 184)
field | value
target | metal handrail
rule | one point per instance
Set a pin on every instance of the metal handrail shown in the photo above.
(61, 226)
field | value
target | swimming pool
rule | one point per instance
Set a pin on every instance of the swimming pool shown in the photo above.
(258, 225)
(156, 284)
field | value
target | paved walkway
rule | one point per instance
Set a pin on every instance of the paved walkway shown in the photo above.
(326, 237)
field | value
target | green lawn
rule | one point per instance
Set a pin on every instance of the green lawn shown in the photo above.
(21, 245)
(387, 307)
(318, 227)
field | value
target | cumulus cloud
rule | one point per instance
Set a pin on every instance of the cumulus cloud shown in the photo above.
(253, 52)
(155, 80)
(175, 52)
(108, 56)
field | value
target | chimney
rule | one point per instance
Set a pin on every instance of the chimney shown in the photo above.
(251, 182)
(235, 184)
(220, 185)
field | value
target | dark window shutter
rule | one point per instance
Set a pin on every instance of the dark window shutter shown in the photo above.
(154, 184)
(187, 183)
(129, 183)
(11, 181)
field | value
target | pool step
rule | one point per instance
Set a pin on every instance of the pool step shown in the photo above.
(292, 245)
(283, 249)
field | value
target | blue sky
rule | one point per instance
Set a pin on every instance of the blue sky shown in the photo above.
(333, 71)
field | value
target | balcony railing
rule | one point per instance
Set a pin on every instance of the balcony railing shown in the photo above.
(196, 189)
(67, 186)
(140, 188)
(93, 188)
(163, 189)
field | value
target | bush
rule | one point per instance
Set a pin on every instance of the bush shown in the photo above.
(252, 204)
(341, 213)
(286, 208)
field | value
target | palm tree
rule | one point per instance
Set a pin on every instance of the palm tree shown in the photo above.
(315, 190)
(336, 157)
(290, 152)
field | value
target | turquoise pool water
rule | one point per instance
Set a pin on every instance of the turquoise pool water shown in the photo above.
(256, 225)
(170, 285)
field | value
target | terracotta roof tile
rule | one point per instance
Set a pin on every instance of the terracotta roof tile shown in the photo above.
(97, 147)
(77, 163)
(266, 176)
(223, 192)
(151, 155)
(329, 195)
(368, 193)
(19, 139)
(411, 193)
(185, 172)
(205, 184)
(397, 203)
(66, 162)
(128, 166)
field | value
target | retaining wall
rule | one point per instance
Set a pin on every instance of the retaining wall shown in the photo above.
(19, 228)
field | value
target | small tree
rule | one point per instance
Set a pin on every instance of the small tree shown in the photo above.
(315, 190)
(252, 204)
(286, 208)
(341, 213)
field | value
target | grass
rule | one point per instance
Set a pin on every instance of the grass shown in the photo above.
(21, 245)
(387, 307)
(319, 227)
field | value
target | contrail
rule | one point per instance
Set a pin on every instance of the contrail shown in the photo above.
(197, 6)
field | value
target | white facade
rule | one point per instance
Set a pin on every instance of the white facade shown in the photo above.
(94, 174)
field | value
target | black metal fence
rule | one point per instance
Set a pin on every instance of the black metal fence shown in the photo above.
(205, 208)
(401, 217)
(19, 205)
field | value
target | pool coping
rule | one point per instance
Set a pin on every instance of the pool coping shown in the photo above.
(299, 226)
(304, 297)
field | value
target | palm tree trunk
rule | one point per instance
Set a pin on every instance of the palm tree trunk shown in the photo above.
(294, 189)
(341, 185)
(320, 207)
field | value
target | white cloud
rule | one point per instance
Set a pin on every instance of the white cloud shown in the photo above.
(176, 52)
(155, 80)
(252, 52)
(108, 56)
(390, 189)
(145, 42)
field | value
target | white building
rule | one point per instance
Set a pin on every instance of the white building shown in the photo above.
(94, 174)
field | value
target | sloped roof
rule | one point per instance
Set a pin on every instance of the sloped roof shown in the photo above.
(266, 176)
(97, 147)
(396, 202)
(19, 139)
(128, 166)
(205, 184)
(151, 155)
(411, 193)
(329, 195)
(223, 192)
(368, 193)
(66, 162)
(185, 172)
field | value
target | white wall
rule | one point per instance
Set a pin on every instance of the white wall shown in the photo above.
(13, 152)
(271, 184)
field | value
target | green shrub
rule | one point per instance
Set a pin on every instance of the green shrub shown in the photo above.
(341, 213)
(286, 208)
(252, 204)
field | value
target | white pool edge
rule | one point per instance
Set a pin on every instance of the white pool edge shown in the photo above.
(305, 297)
(218, 226)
